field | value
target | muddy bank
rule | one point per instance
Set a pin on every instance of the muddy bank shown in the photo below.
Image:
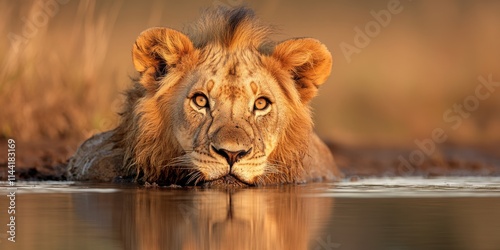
(47, 161)
(38, 160)
(389, 162)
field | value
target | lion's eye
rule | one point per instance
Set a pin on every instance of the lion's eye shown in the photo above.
(200, 100)
(261, 103)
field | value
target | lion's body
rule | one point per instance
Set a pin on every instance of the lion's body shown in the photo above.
(221, 105)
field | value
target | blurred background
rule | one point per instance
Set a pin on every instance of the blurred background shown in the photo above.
(65, 63)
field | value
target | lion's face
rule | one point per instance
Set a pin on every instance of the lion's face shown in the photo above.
(225, 112)
(230, 116)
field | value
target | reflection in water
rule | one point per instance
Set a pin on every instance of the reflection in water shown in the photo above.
(279, 218)
(369, 214)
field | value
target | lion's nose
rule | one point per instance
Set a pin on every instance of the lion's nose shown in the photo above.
(231, 156)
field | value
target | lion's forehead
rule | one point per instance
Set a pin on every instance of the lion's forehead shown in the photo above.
(232, 92)
(231, 65)
(234, 75)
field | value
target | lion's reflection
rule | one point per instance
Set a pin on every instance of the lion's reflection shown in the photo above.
(270, 218)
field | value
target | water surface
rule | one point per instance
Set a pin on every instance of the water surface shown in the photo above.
(400, 213)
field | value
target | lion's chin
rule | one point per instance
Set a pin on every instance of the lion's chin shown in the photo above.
(228, 181)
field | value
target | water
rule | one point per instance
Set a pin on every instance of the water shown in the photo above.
(401, 213)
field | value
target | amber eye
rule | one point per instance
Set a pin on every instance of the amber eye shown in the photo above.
(200, 100)
(261, 103)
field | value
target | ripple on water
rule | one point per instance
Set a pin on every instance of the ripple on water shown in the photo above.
(417, 187)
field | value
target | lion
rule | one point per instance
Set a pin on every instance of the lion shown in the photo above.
(220, 104)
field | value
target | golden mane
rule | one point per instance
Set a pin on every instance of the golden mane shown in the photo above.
(229, 28)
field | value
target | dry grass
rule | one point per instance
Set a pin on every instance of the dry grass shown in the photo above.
(60, 85)
(51, 84)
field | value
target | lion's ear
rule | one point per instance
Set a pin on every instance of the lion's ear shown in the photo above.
(309, 62)
(156, 51)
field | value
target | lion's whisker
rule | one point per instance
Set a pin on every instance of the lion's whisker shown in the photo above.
(198, 179)
(194, 176)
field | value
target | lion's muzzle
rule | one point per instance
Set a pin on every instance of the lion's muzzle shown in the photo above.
(231, 142)
(231, 156)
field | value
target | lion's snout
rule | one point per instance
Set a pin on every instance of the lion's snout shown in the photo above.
(232, 143)
(231, 156)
